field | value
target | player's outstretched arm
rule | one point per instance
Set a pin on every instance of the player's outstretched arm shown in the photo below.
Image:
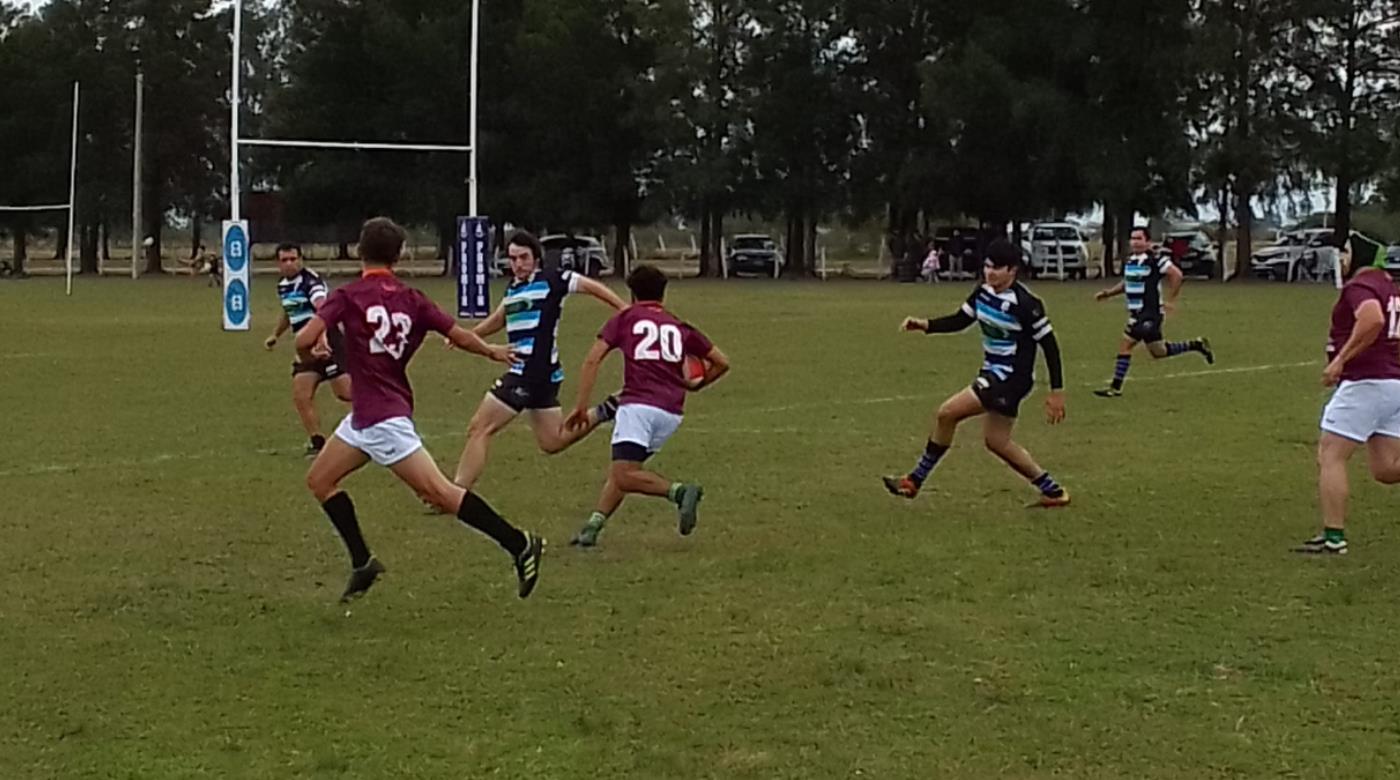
(468, 341)
(600, 291)
(587, 378)
(716, 366)
(283, 323)
(952, 323)
(1109, 292)
(493, 324)
(311, 339)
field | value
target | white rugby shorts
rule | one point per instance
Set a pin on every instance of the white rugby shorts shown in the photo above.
(386, 443)
(646, 426)
(1364, 408)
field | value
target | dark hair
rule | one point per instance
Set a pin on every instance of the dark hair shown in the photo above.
(647, 283)
(381, 241)
(1146, 233)
(1002, 254)
(289, 247)
(525, 238)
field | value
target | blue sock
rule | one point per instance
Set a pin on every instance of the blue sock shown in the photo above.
(933, 452)
(1120, 370)
(1047, 485)
(1175, 348)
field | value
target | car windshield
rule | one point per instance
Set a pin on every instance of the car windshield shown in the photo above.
(751, 242)
(1055, 234)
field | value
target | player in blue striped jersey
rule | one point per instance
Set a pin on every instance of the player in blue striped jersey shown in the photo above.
(1014, 325)
(1143, 273)
(529, 313)
(301, 292)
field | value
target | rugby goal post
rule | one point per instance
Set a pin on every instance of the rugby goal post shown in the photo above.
(236, 236)
(72, 197)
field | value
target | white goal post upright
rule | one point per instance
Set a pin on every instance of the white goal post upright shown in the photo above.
(237, 141)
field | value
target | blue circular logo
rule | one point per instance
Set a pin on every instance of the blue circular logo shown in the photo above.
(236, 302)
(235, 248)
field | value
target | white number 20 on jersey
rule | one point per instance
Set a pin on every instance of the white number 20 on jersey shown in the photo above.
(1393, 317)
(667, 337)
(385, 322)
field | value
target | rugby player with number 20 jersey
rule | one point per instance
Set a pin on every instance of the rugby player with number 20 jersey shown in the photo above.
(654, 345)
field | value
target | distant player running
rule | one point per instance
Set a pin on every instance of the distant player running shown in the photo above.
(530, 314)
(1142, 284)
(1363, 353)
(654, 345)
(385, 323)
(302, 291)
(1013, 323)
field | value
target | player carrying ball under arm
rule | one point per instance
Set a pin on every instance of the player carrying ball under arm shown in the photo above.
(654, 346)
(384, 322)
(1013, 323)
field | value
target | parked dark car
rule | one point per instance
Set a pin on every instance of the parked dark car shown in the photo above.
(754, 253)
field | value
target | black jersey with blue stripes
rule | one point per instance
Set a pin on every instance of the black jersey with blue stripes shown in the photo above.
(1013, 322)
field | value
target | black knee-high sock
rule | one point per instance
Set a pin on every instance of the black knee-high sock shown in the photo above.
(479, 515)
(342, 514)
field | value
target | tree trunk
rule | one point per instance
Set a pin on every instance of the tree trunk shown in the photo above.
(1109, 239)
(1244, 226)
(60, 245)
(622, 241)
(87, 260)
(154, 215)
(717, 236)
(1125, 230)
(705, 248)
(195, 224)
(447, 246)
(812, 247)
(1224, 208)
(106, 240)
(20, 228)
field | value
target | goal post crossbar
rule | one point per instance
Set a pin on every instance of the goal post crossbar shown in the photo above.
(40, 207)
(353, 145)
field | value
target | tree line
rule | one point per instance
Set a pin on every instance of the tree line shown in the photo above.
(615, 113)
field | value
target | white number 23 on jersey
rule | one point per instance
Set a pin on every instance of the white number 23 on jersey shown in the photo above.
(399, 323)
(667, 337)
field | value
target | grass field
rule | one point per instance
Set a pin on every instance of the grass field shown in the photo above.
(167, 594)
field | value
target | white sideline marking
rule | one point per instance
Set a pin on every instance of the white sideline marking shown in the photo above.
(152, 460)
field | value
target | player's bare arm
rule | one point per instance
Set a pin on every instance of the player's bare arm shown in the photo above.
(600, 291)
(1369, 322)
(1175, 278)
(469, 341)
(588, 377)
(1109, 292)
(283, 324)
(493, 324)
(716, 366)
(311, 341)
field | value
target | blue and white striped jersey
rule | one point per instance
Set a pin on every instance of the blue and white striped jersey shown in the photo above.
(1142, 284)
(1013, 322)
(533, 308)
(298, 294)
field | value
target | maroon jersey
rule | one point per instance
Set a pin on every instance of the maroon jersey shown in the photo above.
(385, 322)
(654, 345)
(1381, 360)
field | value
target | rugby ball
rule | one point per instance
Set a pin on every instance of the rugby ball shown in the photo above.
(694, 368)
